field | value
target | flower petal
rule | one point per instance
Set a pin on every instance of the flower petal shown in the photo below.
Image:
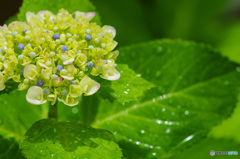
(85, 15)
(89, 86)
(30, 72)
(35, 95)
(109, 29)
(70, 101)
(109, 72)
(2, 86)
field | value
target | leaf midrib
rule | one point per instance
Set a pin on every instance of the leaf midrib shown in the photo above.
(159, 98)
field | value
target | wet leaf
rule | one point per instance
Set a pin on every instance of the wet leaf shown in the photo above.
(129, 87)
(196, 89)
(17, 115)
(48, 138)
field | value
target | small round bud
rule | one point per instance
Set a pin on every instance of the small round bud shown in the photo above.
(44, 30)
(52, 54)
(103, 45)
(90, 65)
(2, 58)
(26, 81)
(101, 34)
(64, 92)
(40, 83)
(91, 47)
(4, 48)
(64, 71)
(97, 40)
(55, 28)
(88, 37)
(76, 36)
(46, 91)
(48, 63)
(20, 57)
(88, 31)
(14, 33)
(72, 83)
(43, 39)
(58, 41)
(55, 36)
(69, 35)
(32, 54)
(28, 32)
(63, 57)
(21, 46)
(54, 77)
(64, 48)
(27, 37)
(59, 68)
(24, 30)
(29, 45)
(70, 39)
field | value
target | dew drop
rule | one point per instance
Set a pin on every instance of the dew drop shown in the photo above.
(137, 142)
(238, 69)
(226, 82)
(154, 154)
(168, 130)
(151, 146)
(159, 121)
(74, 110)
(142, 131)
(138, 75)
(125, 92)
(163, 109)
(186, 112)
(130, 140)
(188, 138)
(159, 48)
(154, 100)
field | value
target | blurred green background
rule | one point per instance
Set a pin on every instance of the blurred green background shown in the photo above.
(214, 22)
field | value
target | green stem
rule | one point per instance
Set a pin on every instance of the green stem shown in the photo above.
(53, 110)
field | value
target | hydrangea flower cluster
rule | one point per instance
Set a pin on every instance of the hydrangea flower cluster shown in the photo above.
(53, 56)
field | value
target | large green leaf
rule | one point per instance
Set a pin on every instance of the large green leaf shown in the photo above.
(196, 89)
(17, 115)
(55, 6)
(129, 87)
(9, 149)
(202, 150)
(48, 138)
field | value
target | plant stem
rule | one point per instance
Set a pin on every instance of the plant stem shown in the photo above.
(53, 110)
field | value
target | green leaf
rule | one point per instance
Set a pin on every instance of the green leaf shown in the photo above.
(17, 115)
(202, 150)
(229, 44)
(88, 109)
(129, 87)
(196, 89)
(55, 6)
(48, 138)
(9, 149)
